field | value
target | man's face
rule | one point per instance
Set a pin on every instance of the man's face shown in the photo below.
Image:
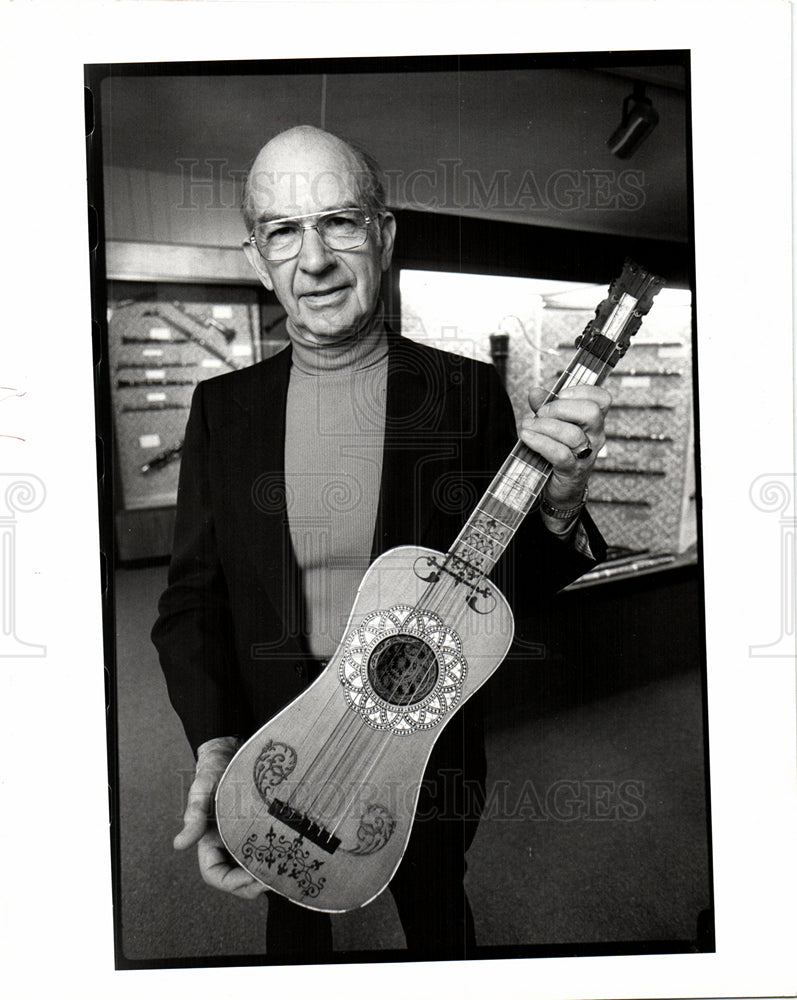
(327, 294)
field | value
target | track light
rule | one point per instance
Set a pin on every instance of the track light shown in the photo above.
(639, 120)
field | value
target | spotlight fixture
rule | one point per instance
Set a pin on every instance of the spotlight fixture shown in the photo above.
(639, 120)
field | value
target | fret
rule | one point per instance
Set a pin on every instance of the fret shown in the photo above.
(520, 480)
(517, 463)
(482, 545)
(484, 539)
(494, 508)
(498, 499)
(490, 515)
(516, 456)
(528, 457)
(475, 557)
(514, 495)
(478, 556)
(588, 369)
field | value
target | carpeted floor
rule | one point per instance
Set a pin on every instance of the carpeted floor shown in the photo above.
(595, 829)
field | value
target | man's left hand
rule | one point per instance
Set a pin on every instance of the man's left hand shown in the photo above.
(560, 430)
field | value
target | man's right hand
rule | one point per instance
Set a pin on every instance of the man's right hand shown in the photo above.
(215, 864)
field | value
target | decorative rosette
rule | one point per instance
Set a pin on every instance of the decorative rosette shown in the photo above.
(402, 669)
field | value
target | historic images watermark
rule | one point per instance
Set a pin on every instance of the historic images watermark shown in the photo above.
(448, 185)
(566, 800)
(20, 493)
(445, 796)
(775, 494)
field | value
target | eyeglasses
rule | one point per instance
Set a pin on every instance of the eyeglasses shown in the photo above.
(340, 229)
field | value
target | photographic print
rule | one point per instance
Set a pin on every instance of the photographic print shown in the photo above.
(398, 506)
(403, 527)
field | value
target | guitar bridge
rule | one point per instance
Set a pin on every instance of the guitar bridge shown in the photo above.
(303, 825)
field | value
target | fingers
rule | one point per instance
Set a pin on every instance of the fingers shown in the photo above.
(566, 437)
(197, 810)
(565, 426)
(569, 426)
(557, 443)
(212, 760)
(595, 393)
(584, 405)
(220, 871)
(216, 865)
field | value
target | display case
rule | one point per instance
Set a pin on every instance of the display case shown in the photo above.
(163, 339)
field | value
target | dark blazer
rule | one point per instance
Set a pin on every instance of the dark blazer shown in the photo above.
(230, 625)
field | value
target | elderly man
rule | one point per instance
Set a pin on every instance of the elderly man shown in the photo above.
(300, 470)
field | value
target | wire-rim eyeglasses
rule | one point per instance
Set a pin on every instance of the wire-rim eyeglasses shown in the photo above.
(278, 240)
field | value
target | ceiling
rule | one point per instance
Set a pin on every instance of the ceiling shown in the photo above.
(514, 143)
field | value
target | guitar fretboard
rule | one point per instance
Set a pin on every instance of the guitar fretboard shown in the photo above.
(518, 484)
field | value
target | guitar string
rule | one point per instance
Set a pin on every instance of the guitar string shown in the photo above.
(423, 606)
(354, 721)
(365, 736)
(448, 591)
(563, 382)
(365, 732)
(345, 722)
(348, 722)
(370, 734)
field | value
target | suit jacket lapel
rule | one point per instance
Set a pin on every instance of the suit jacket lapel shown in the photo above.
(261, 460)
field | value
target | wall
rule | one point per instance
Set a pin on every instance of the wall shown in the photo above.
(504, 140)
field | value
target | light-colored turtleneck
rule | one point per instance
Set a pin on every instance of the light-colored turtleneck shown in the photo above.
(334, 440)
(357, 352)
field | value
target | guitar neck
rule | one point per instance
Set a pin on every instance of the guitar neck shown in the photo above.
(518, 484)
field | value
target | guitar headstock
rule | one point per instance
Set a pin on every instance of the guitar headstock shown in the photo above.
(619, 316)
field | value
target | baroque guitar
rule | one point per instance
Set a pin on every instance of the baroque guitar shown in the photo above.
(319, 804)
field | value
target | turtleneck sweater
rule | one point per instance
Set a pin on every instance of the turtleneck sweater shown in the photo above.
(334, 441)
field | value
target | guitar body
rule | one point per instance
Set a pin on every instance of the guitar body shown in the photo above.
(318, 805)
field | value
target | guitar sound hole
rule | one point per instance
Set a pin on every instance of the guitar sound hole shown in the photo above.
(402, 669)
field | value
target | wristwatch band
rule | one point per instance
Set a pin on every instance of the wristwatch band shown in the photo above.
(564, 513)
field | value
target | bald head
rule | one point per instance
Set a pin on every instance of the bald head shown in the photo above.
(306, 164)
(329, 292)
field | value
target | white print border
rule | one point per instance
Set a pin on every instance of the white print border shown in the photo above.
(23, 493)
(776, 493)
